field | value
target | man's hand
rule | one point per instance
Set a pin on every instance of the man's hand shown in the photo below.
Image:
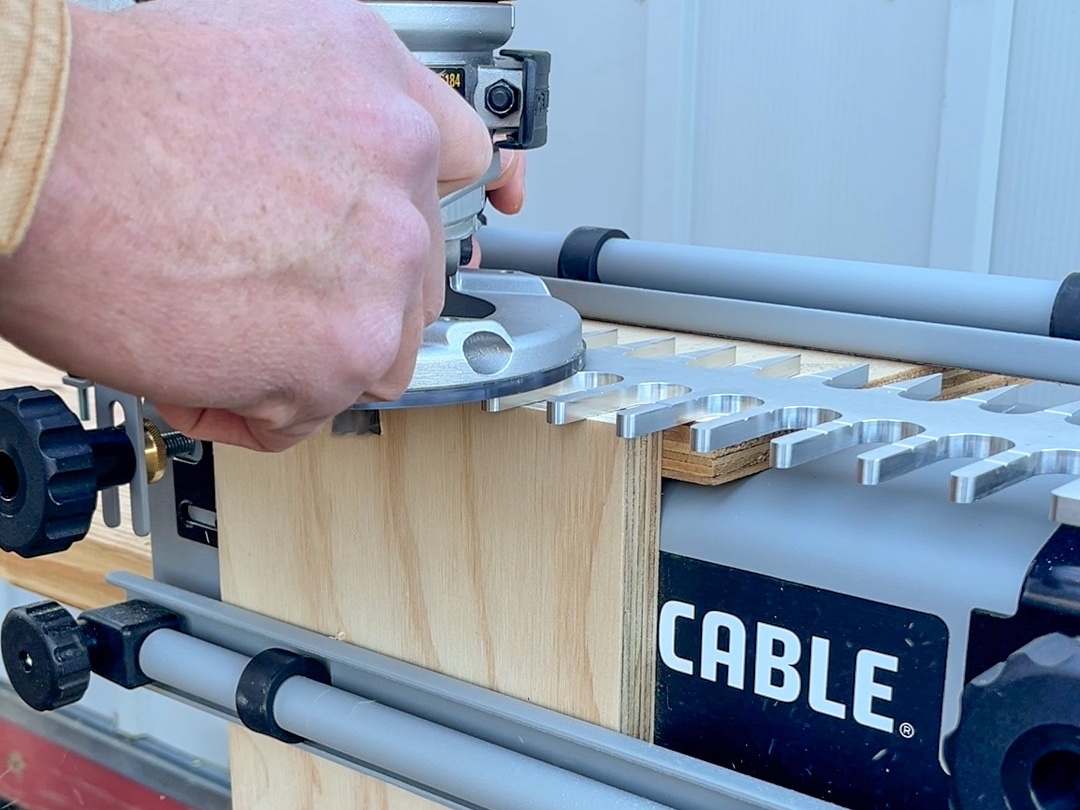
(508, 192)
(241, 221)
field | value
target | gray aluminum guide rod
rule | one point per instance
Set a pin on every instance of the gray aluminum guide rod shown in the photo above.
(629, 767)
(445, 763)
(988, 350)
(1006, 303)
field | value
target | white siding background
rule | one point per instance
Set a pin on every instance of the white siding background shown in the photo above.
(926, 132)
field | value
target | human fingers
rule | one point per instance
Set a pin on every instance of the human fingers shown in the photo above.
(466, 143)
(477, 255)
(395, 382)
(267, 428)
(225, 427)
(433, 287)
(426, 297)
(507, 193)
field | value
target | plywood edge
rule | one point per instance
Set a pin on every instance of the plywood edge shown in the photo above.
(680, 463)
(641, 584)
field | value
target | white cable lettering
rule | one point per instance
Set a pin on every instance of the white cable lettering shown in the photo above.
(867, 663)
(670, 613)
(819, 680)
(767, 661)
(734, 657)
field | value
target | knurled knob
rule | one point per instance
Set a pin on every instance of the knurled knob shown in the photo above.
(51, 469)
(46, 655)
(1017, 746)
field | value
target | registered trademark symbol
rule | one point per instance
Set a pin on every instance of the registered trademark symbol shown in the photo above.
(907, 731)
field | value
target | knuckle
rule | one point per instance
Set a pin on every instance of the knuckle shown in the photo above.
(367, 349)
(419, 136)
(390, 387)
(406, 246)
(390, 361)
(365, 25)
(434, 302)
(483, 151)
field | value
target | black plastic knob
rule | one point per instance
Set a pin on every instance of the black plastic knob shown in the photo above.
(46, 655)
(51, 470)
(1017, 746)
(49, 654)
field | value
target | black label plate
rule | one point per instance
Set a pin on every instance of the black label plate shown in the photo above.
(833, 696)
(454, 78)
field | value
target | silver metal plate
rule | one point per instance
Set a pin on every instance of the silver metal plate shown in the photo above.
(131, 411)
(529, 340)
(1016, 433)
(453, 27)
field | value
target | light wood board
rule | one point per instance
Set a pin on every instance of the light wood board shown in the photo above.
(488, 547)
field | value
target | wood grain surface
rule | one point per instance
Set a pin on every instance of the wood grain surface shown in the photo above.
(488, 547)
(269, 775)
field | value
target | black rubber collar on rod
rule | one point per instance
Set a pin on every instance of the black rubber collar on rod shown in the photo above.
(259, 684)
(1065, 316)
(580, 251)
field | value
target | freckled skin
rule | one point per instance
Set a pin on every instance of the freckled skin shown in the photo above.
(240, 221)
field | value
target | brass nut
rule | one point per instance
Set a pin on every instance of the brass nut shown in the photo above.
(156, 454)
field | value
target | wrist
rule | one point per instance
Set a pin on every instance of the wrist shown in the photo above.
(35, 40)
(71, 205)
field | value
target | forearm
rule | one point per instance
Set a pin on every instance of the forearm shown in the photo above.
(35, 43)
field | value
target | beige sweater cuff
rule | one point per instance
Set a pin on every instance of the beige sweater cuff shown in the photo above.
(35, 43)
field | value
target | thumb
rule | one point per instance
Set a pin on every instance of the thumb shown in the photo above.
(466, 147)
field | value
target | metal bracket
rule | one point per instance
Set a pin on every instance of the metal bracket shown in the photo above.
(104, 400)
